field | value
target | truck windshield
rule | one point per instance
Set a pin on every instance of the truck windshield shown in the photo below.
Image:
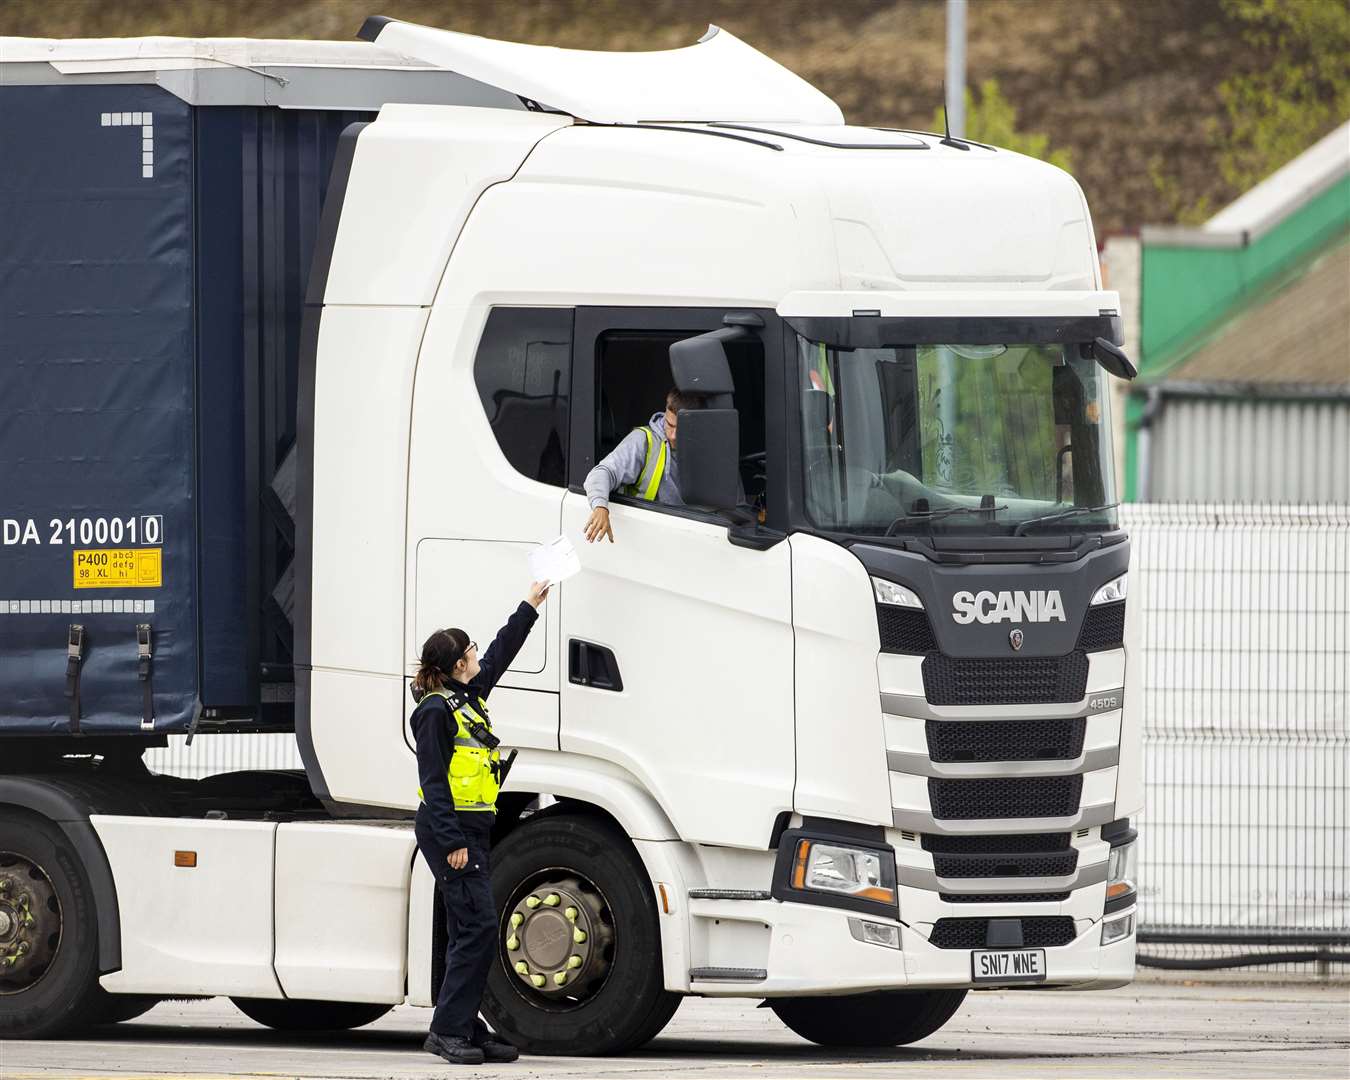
(955, 439)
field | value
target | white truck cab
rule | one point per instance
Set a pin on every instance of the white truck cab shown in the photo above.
(854, 744)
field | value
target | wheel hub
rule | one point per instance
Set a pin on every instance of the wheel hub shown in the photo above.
(557, 938)
(30, 923)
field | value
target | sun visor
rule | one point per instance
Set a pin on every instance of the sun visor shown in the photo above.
(719, 78)
(885, 319)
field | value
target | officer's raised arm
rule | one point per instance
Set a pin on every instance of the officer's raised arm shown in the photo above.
(498, 656)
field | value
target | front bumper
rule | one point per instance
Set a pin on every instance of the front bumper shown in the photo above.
(810, 950)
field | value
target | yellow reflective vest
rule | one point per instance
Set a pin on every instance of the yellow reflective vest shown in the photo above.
(473, 767)
(649, 479)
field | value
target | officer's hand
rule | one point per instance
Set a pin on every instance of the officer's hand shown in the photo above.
(598, 525)
(458, 859)
(538, 593)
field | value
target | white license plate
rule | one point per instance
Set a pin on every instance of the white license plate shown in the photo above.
(1007, 965)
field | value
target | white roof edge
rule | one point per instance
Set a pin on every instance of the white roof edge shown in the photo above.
(1287, 188)
(718, 78)
(91, 55)
(931, 304)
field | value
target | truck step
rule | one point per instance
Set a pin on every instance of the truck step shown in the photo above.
(730, 894)
(727, 974)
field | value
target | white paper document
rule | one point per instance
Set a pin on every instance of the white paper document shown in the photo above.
(554, 562)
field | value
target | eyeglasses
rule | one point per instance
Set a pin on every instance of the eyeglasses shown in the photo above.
(473, 647)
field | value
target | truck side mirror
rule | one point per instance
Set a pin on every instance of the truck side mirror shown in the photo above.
(699, 364)
(708, 450)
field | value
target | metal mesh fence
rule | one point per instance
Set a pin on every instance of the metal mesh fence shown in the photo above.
(1245, 839)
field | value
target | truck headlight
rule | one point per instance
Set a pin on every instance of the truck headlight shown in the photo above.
(888, 592)
(836, 873)
(1109, 593)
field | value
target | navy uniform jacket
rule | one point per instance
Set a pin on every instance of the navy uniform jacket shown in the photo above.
(434, 729)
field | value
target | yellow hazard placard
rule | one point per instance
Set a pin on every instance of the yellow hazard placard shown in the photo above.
(118, 568)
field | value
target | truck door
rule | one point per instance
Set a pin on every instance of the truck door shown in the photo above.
(677, 644)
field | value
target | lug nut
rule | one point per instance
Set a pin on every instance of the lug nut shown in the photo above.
(574, 961)
(516, 919)
(522, 968)
(570, 914)
(538, 980)
(579, 936)
(532, 902)
(513, 943)
(552, 900)
(560, 978)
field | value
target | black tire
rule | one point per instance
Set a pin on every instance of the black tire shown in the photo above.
(45, 1000)
(117, 1008)
(296, 1015)
(885, 1018)
(631, 1005)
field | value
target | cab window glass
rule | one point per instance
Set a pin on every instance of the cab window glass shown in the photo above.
(523, 371)
(633, 377)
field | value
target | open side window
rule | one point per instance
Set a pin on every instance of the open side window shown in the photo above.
(621, 362)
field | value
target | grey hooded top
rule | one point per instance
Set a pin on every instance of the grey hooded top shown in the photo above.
(623, 465)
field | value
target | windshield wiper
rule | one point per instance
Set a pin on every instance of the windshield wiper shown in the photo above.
(937, 515)
(1074, 512)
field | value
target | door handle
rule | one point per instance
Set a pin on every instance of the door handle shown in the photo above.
(593, 665)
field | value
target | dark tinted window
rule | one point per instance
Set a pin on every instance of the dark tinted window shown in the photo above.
(523, 371)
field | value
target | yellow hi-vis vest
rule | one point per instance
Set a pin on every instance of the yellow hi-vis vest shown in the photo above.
(473, 774)
(649, 479)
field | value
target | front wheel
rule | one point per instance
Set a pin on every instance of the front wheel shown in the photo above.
(297, 1015)
(884, 1018)
(48, 932)
(578, 967)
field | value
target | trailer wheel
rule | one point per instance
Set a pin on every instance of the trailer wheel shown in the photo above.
(48, 932)
(578, 968)
(886, 1018)
(298, 1015)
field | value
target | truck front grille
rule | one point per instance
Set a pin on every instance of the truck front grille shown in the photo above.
(1016, 843)
(905, 630)
(1053, 864)
(1104, 627)
(1004, 898)
(1005, 740)
(1013, 680)
(1005, 797)
(1026, 855)
(1038, 932)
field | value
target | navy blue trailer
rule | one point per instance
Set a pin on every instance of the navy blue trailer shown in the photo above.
(159, 210)
(152, 280)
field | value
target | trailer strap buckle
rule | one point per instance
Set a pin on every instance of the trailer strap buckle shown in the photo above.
(74, 659)
(144, 655)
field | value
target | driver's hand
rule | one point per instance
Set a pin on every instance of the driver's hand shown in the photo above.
(598, 525)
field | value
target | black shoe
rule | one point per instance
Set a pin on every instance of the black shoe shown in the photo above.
(454, 1048)
(494, 1050)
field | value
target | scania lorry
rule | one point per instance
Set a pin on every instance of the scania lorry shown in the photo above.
(304, 346)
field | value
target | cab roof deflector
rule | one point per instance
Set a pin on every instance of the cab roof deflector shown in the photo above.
(720, 78)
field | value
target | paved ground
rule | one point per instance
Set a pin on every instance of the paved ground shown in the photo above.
(1153, 1029)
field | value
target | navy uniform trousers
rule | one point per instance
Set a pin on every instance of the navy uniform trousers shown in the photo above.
(470, 918)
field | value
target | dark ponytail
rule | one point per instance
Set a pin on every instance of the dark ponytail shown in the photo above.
(440, 653)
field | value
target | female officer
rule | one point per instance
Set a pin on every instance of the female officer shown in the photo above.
(458, 765)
